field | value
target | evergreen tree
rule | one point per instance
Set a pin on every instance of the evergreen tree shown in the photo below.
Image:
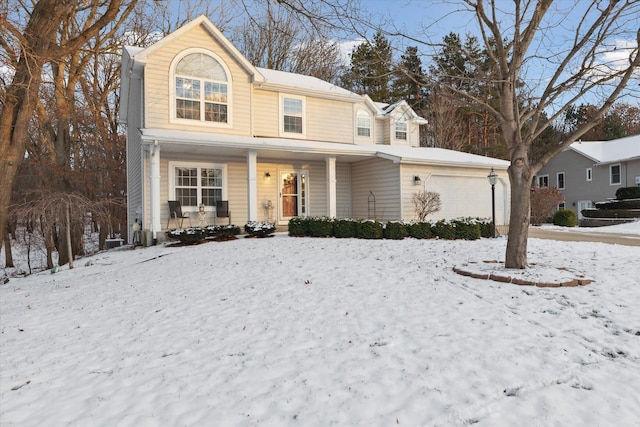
(410, 80)
(370, 72)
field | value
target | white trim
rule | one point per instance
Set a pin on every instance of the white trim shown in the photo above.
(171, 195)
(368, 113)
(619, 174)
(538, 180)
(172, 91)
(397, 119)
(564, 179)
(281, 99)
(282, 220)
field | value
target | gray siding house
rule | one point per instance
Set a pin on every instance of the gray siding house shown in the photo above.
(591, 171)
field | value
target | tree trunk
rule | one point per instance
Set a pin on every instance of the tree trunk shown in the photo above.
(8, 256)
(68, 235)
(520, 180)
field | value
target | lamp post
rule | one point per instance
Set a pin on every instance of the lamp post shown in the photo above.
(493, 177)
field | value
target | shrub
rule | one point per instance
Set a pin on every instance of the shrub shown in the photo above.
(619, 204)
(259, 228)
(444, 230)
(466, 229)
(369, 230)
(606, 213)
(628, 193)
(420, 230)
(426, 203)
(298, 226)
(395, 231)
(543, 202)
(187, 235)
(345, 228)
(320, 227)
(565, 218)
(486, 227)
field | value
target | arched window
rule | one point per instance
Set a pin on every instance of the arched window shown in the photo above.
(401, 127)
(363, 123)
(201, 89)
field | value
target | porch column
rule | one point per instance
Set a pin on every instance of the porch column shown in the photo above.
(331, 187)
(252, 185)
(154, 189)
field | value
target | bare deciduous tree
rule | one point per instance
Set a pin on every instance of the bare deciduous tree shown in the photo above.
(425, 203)
(544, 201)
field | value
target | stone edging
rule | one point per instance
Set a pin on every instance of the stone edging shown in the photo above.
(503, 278)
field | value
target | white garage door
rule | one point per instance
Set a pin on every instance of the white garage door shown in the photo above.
(466, 197)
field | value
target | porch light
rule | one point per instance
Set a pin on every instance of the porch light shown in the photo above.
(417, 180)
(267, 176)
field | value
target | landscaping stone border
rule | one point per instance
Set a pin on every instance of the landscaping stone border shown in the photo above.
(504, 277)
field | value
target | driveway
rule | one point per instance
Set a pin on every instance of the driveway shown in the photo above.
(584, 236)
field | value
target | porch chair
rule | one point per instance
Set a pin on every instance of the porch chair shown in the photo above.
(175, 212)
(222, 210)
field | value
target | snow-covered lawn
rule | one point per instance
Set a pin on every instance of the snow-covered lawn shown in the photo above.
(316, 332)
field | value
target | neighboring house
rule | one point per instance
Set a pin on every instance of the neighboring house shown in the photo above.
(591, 171)
(203, 124)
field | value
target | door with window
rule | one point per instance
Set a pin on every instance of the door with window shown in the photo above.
(294, 194)
(582, 205)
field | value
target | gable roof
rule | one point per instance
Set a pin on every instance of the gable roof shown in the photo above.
(302, 82)
(140, 55)
(603, 152)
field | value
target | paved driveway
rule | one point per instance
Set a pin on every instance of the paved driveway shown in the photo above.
(584, 236)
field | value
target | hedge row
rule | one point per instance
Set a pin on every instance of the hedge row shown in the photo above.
(196, 234)
(606, 213)
(628, 193)
(464, 228)
(619, 204)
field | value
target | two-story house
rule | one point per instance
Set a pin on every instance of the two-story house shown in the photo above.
(591, 171)
(203, 124)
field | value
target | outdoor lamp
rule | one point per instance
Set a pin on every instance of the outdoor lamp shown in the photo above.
(417, 180)
(493, 177)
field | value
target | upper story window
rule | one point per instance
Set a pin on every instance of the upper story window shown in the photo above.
(614, 175)
(363, 123)
(401, 127)
(560, 177)
(201, 89)
(293, 114)
(543, 180)
(589, 174)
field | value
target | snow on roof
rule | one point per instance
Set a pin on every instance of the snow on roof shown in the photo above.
(397, 154)
(300, 81)
(616, 150)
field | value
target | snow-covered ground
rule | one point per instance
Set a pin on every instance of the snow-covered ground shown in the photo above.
(628, 228)
(315, 332)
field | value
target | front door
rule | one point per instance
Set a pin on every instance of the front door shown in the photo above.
(294, 198)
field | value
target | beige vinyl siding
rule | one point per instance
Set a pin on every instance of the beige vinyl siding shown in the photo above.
(343, 190)
(382, 132)
(382, 177)
(329, 120)
(158, 87)
(266, 108)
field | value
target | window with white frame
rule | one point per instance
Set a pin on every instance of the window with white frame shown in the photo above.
(543, 180)
(193, 184)
(401, 127)
(589, 174)
(363, 123)
(201, 89)
(614, 175)
(560, 180)
(292, 114)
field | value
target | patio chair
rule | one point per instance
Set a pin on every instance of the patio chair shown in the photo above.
(222, 210)
(175, 213)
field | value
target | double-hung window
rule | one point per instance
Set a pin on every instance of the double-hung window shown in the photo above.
(193, 184)
(543, 180)
(614, 175)
(363, 123)
(401, 127)
(201, 89)
(292, 115)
